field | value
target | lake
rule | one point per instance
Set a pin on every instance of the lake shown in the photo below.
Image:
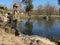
(41, 27)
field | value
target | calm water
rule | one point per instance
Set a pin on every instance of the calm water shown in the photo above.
(41, 27)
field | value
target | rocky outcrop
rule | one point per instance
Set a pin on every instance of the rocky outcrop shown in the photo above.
(10, 39)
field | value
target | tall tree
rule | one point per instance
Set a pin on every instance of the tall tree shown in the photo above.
(59, 4)
(29, 5)
(58, 1)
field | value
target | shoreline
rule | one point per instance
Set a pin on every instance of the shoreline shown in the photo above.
(39, 16)
(10, 39)
(21, 17)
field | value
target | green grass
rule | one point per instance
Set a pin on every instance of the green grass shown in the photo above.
(3, 10)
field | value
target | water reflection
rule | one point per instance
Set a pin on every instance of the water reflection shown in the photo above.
(49, 24)
(28, 27)
(42, 27)
(48, 27)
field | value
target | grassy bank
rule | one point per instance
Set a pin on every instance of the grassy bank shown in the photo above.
(39, 16)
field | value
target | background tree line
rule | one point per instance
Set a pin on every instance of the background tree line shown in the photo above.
(48, 9)
(45, 10)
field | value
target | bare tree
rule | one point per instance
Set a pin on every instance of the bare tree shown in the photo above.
(40, 10)
(49, 10)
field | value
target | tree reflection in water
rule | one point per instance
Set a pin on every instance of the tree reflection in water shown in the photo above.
(41, 27)
(48, 27)
(28, 27)
(49, 23)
